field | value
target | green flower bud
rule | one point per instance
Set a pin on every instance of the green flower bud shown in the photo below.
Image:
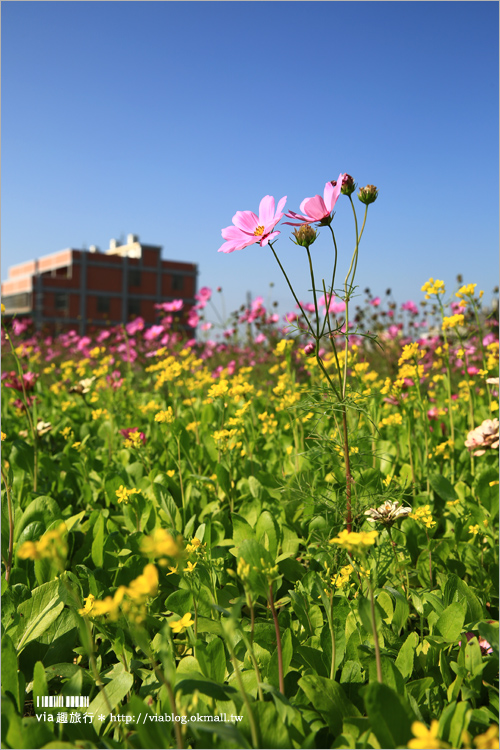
(368, 194)
(305, 235)
(348, 185)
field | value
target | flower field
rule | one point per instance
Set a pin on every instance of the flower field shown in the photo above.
(206, 543)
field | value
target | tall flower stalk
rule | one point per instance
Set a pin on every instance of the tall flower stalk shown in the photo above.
(249, 229)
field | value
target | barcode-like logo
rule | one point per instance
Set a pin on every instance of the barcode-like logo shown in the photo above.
(61, 701)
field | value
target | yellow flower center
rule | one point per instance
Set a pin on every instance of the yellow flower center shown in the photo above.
(259, 231)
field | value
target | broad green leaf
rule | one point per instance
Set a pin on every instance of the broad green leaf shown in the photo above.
(404, 661)
(451, 621)
(329, 699)
(442, 487)
(38, 613)
(10, 679)
(39, 684)
(98, 542)
(43, 510)
(390, 716)
(109, 697)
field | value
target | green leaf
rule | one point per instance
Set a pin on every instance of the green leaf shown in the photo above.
(38, 613)
(43, 510)
(114, 691)
(442, 487)
(39, 684)
(329, 699)
(287, 653)
(180, 602)
(404, 661)
(217, 660)
(450, 623)
(241, 529)
(223, 479)
(455, 589)
(267, 526)
(389, 714)
(98, 542)
(10, 680)
(402, 609)
(195, 681)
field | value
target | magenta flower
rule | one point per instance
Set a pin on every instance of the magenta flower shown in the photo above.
(248, 228)
(128, 430)
(317, 208)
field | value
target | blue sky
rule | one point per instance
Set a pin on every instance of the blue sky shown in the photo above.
(165, 118)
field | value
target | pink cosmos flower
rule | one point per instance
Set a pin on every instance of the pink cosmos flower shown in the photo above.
(203, 296)
(153, 333)
(174, 306)
(134, 326)
(410, 306)
(375, 302)
(193, 318)
(317, 208)
(248, 228)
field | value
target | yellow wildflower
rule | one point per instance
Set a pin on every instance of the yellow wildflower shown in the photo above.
(426, 739)
(452, 321)
(474, 529)
(160, 544)
(190, 567)
(354, 541)
(165, 417)
(488, 740)
(179, 626)
(123, 494)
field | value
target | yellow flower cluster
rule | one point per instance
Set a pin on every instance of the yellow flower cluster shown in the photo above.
(423, 514)
(133, 440)
(160, 544)
(219, 389)
(269, 423)
(355, 541)
(452, 321)
(409, 352)
(392, 419)
(488, 740)
(343, 577)
(283, 346)
(130, 600)
(98, 413)
(474, 529)
(124, 495)
(51, 546)
(165, 416)
(467, 290)
(433, 287)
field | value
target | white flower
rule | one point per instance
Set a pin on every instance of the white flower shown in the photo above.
(387, 513)
(483, 437)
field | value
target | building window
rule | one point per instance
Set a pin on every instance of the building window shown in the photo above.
(103, 305)
(16, 301)
(61, 301)
(177, 282)
(134, 277)
(133, 307)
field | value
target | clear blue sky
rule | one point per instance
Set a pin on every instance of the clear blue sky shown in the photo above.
(165, 118)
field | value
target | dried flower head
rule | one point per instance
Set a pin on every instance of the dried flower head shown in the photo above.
(387, 513)
(483, 437)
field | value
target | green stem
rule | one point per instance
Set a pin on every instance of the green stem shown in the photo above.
(10, 511)
(278, 640)
(292, 290)
(375, 634)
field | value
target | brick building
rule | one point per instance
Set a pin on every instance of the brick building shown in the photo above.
(87, 288)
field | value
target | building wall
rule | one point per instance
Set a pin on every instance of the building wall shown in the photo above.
(129, 284)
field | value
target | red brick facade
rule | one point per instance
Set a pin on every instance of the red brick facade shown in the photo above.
(83, 289)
